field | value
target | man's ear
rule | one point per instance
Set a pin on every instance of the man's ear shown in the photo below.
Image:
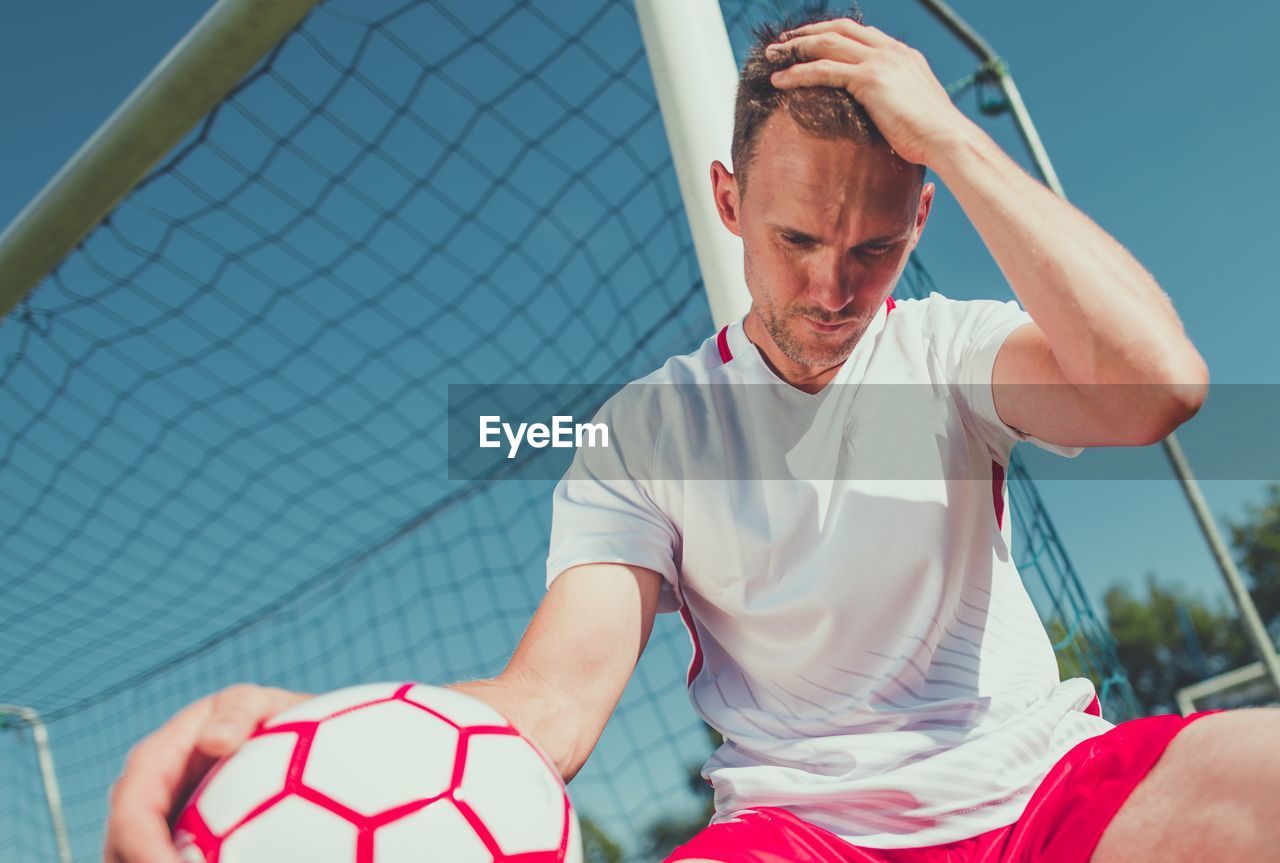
(922, 212)
(724, 188)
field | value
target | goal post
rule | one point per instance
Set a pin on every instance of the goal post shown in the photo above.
(191, 80)
(48, 774)
(696, 78)
(1248, 686)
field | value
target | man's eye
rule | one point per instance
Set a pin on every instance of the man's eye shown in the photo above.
(877, 250)
(792, 240)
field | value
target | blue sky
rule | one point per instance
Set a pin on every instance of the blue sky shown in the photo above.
(1159, 122)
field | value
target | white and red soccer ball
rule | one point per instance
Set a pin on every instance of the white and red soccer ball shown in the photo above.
(382, 773)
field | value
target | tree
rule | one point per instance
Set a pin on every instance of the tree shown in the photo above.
(1257, 542)
(597, 845)
(1070, 662)
(1152, 630)
(1153, 641)
(677, 828)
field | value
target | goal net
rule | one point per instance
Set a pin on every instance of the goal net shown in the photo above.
(223, 451)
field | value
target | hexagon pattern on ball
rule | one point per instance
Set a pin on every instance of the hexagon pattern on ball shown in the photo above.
(457, 706)
(439, 825)
(243, 784)
(514, 810)
(293, 829)
(370, 774)
(381, 756)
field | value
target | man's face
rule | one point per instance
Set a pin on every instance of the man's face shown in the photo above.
(827, 226)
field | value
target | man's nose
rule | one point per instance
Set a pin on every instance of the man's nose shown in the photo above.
(830, 282)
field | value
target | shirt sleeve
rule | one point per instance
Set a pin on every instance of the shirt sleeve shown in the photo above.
(603, 511)
(967, 335)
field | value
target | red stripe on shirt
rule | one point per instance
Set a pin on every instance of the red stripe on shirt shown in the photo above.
(722, 342)
(696, 664)
(997, 492)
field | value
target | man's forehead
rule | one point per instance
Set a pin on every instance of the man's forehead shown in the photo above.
(801, 201)
(803, 171)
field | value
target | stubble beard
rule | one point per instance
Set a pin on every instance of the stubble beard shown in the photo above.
(782, 328)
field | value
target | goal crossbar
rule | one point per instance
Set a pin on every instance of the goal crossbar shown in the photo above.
(196, 75)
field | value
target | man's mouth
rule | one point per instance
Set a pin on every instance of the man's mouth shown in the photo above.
(820, 327)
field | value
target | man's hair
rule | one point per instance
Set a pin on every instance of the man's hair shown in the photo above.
(827, 112)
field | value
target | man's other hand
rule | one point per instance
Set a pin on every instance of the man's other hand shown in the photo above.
(165, 767)
(891, 80)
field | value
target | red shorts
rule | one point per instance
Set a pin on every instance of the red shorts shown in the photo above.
(1062, 823)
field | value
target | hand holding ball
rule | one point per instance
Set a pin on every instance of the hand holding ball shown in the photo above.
(382, 773)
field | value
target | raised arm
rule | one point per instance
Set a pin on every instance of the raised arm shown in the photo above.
(1105, 338)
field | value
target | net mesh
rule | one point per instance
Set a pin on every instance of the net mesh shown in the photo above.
(223, 455)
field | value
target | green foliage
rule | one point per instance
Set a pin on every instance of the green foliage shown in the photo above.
(1152, 639)
(597, 846)
(1152, 643)
(667, 832)
(1257, 542)
(679, 827)
(1070, 662)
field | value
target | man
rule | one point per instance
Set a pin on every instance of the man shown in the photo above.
(884, 687)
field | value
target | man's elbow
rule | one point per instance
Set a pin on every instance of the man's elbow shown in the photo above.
(1176, 398)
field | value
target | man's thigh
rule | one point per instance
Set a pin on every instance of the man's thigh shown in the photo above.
(1212, 795)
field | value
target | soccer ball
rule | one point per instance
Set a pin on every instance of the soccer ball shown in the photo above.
(382, 773)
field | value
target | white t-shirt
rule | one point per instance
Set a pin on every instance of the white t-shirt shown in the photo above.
(863, 641)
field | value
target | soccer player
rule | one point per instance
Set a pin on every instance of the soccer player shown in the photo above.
(884, 687)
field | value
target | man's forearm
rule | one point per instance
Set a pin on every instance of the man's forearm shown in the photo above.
(1104, 316)
(537, 714)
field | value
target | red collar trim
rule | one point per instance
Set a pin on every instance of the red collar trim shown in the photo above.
(722, 342)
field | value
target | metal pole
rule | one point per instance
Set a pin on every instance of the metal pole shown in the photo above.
(696, 79)
(1254, 629)
(979, 46)
(197, 73)
(47, 774)
(1233, 679)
